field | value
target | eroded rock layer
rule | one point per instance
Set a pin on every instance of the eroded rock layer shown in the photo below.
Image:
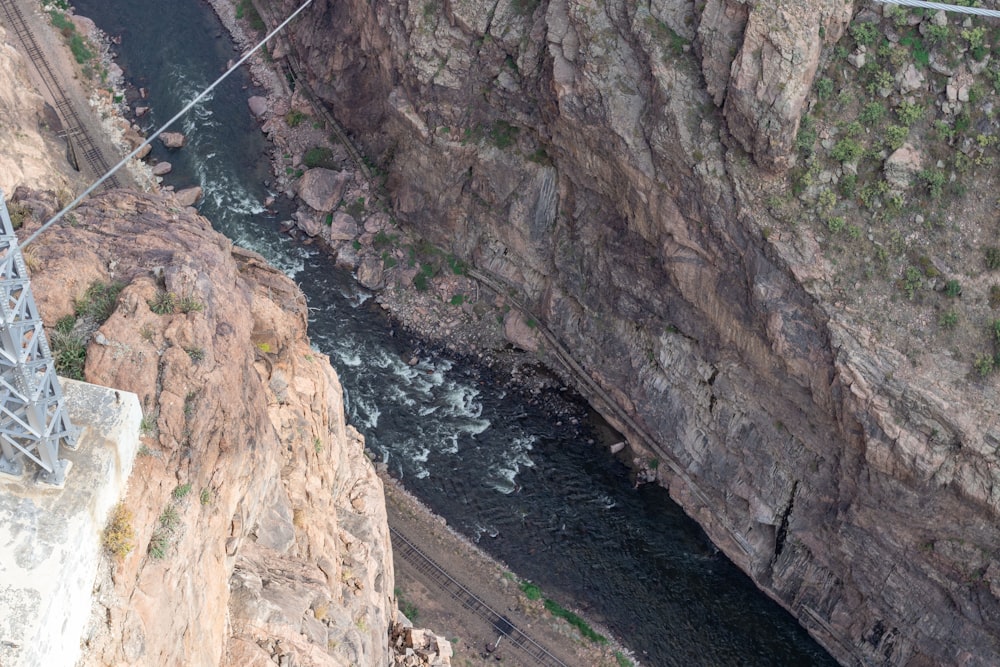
(595, 158)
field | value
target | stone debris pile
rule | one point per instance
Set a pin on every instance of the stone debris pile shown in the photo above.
(415, 647)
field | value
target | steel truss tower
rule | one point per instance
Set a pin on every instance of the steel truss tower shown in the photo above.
(33, 419)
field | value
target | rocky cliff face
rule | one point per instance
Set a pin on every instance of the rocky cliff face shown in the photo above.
(260, 526)
(603, 160)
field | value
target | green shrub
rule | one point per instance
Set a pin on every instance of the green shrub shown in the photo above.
(319, 156)
(948, 320)
(847, 150)
(864, 34)
(458, 300)
(824, 88)
(164, 303)
(531, 591)
(503, 134)
(895, 136)
(69, 350)
(836, 224)
(99, 301)
(933, 182)
(984, 364)
(992, 257)
(872, 113)
(953, 288)
(181, 490)
(294, 118)
(908, 113)
(937, 34)
(848, 185)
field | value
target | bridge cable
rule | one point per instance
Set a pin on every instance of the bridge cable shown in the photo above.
(163, 127)
(978, 11)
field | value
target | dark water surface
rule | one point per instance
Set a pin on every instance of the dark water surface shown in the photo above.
(534, 489)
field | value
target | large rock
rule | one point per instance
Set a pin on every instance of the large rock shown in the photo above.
(342, 227)
(903, 166)
(322, 189)
(773, 72)
(173, 139)
(162, 168)
(258, 106)
(189, 196)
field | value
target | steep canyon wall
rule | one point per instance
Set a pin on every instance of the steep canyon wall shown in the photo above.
(604, 160)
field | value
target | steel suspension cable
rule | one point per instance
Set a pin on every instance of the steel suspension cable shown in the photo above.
(977, 11)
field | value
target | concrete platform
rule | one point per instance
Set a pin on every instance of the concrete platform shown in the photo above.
(50, 539)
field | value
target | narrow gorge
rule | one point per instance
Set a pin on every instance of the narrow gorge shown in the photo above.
(752, 235)
(613, 166)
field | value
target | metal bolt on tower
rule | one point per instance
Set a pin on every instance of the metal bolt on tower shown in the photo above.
(33, 419)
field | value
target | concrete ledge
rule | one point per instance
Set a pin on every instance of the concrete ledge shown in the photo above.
(50, 539)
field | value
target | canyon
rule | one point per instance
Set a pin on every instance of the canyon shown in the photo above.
(607, 166)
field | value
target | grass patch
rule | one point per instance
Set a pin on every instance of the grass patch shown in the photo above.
(559, 611)
(531, 591)
(319, 156)
(99, 301)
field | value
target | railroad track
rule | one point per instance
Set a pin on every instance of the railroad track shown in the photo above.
(77, 138)
(402, 547)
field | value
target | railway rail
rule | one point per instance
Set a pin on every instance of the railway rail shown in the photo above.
(81, 145)
(517, 638)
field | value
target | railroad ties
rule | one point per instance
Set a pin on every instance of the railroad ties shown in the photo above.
(423, 563)
(80, 143)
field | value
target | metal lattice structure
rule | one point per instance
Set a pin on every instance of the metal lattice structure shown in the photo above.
(33, 419)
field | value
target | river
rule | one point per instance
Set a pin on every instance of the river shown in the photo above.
(536, 490)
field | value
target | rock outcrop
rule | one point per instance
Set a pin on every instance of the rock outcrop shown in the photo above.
(260, 526)
(572, 153)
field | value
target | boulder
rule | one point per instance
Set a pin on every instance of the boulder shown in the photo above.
(322, 188)
(307, 223)
(173, 139)
(342, 227)
(370, 272)
(258, 106)
(902, 166)
(189, 196)
(162, 168)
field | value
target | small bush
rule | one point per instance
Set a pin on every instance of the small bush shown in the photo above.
(872, 113)
(164, 303)
(948, 320)
(206, 497)
(118, 534)
(531, 591)
(994, 296)
(99, 301)
(992, 257)
(864, 34)
(953, 288)
(181, 491)
(195, 353)
(847, 150)
(189, 304)
(824, 88)
(908, 113)
(984, 364)
(458, 300)
(836, 224)
(294, 118)
(319, 156)
(895, 136)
